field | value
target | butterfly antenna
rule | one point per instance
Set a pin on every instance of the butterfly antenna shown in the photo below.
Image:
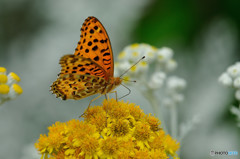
(132, 66)
(129, 92)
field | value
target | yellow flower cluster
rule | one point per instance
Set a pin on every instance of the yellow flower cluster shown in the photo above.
(9, 88)
(115, 130)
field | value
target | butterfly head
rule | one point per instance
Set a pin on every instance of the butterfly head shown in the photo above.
(112, 84)
(116, 81)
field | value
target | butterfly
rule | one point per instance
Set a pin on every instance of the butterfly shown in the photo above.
(90, 70)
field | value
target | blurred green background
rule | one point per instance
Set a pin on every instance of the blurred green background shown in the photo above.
(203, 34)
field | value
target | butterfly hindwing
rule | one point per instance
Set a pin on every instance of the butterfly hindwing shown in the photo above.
(95, 44)
(74, 86)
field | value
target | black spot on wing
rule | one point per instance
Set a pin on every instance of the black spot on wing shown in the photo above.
(82, 69)
(96, 58)
(91, 31)
(106, 54)
(95, 48)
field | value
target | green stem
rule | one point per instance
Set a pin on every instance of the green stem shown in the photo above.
(155, 106)
(174, 130)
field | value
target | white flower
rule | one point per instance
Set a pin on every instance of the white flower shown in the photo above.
(234, 70)
(135, 70)
(134, 52)
(157, 80)
(143, 66)
(236, 82)
(237, 94)
(171, 65)
(123, 66)
(123, 56)
(148, 51)
(176, 83)
(15, 90)
(150, 56)
(13, 78)
(164, 54)
(225, 79)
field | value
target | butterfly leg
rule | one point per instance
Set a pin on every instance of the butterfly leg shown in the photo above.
(115, 94)
(106, 96)
(90, 104)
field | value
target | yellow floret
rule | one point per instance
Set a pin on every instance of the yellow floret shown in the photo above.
(3, 78)
(3, 70)
(134, 45)
(17, 88)
(143, 63)
(126, 79)
(135, 54)
(15, 76)
(134, 68)
(4, 89)
(122, 55)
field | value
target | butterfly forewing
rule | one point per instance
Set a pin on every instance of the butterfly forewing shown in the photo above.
(81, 66)
(95, 44)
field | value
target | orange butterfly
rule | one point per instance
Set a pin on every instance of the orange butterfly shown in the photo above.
(90, 70)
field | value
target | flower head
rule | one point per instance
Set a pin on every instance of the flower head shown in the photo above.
(157, 80)
(126, 132)
(236, 82)
(164, 54)
(234, 70)
(9, 89)
(231, 77)
(225, 79)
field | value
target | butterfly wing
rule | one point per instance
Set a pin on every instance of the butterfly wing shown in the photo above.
(74, 86)
(80, 77)
(81, 66)
(95, 44)
(87, 72)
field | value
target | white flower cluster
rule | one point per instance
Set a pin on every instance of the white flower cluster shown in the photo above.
(174, 87)
(231, 78)
(9, 89)
(150, 71)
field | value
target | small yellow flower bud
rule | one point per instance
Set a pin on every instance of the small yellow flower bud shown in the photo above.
(3, 70)
(4, 89)
(3, 78)
(14, 76)
(17, 88)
